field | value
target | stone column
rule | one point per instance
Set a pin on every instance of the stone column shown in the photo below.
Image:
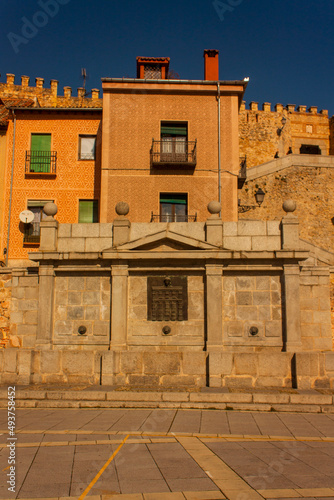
(292, 308)
(119, 307)
(214, 307)
(45, 306)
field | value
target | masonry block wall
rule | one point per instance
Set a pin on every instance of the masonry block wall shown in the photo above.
(313, 189)
(260, 138)
(24, 307)
(5, 306)
(250, 311)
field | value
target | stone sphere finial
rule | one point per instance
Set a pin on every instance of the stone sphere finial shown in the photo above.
(214, 207)
(289, 206)
(50, 209)
(122, 208)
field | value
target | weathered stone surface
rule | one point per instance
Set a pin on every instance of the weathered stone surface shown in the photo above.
(246, 364)
(161, 363)
(78, 363)
(278, 365)
(50, 361)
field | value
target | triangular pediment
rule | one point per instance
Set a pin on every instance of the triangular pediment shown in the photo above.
(167, 241)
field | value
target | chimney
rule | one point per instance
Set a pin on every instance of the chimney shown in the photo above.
(67, 92)
(10, 79)
(211, 65)
(95, 93)
(39, 83)
(81, 92)
(25, 81)
(54, 87)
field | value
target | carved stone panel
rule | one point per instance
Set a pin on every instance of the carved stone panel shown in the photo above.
(167, 298)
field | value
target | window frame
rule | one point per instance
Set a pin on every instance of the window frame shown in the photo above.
(29, 239)
(173, 200)
(86, 136)
(95, 213)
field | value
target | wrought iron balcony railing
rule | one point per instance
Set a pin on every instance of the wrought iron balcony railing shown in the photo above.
(41, 162)
(173, 153)
(173, 218)
(32, 233)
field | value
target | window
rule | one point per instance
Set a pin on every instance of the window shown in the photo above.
(87, 147)
(40, 157)
(88, 211)
(309, 149)
(173, 207)
(32, 230)
(174, 141)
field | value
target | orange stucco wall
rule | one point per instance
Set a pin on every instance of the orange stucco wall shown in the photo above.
(132, 115)
(74, 179)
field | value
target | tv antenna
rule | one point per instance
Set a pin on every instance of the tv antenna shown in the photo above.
(84, 77)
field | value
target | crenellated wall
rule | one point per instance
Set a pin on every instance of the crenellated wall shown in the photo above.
(263, 136)
(48, 97)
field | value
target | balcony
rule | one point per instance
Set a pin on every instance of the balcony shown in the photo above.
(32, 232)
(172, 153)
(173, 218)
(41, 162)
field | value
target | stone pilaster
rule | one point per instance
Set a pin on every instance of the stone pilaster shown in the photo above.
(121, 231)
(45, 306)
(214, 306)
(119, 306)
(214, 231)
(49, 234)
(292, 308)
(290, 232)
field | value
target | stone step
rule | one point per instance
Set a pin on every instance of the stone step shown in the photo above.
(97, 397)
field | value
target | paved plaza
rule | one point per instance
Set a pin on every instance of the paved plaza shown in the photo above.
(172, 454)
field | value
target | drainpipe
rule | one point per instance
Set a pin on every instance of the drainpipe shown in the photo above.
(11, 188)
(219, 162)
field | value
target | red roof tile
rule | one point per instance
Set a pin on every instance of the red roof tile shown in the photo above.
(6, 103)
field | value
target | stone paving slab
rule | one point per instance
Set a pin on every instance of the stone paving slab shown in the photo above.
(252, 456)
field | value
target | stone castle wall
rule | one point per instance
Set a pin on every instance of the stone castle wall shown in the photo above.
(261, 137)
(48, 97)
(311, 186)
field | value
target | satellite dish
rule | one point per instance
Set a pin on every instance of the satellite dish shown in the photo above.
(26, 216)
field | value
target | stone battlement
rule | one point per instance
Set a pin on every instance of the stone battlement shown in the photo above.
(48, 97)
(279, 108)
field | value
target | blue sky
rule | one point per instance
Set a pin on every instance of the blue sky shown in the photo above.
(284, 46)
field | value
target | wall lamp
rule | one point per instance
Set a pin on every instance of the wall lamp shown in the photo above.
(259, 197)
(280, 130)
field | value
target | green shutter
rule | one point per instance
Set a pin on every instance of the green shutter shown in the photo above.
(174, 198)
(173, 129)
(40, 142)
(88, 211)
